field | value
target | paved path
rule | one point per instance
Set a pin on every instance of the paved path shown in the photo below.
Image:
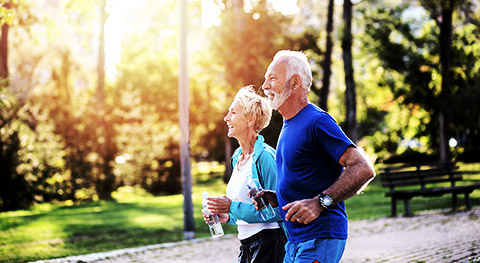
(428, 237)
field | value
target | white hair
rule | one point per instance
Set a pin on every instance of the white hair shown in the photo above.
(254, 105)
(297, 63)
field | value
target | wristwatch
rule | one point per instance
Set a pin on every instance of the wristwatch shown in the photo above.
(325, 201)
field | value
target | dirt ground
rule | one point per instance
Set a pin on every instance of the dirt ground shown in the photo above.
(427, 237)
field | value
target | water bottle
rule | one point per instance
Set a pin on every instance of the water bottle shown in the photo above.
(264, 207)
(213, 223)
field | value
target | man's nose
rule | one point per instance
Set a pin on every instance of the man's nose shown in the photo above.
(265, 85)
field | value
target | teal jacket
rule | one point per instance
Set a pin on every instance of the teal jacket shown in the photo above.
(265, 170)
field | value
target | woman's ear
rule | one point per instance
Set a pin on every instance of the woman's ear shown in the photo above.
(251, 120)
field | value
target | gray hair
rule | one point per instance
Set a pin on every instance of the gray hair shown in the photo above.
(254, 105)
(297, 63)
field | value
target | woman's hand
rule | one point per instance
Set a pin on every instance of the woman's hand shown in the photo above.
(223, 218)
(219, 204)
(206, 216)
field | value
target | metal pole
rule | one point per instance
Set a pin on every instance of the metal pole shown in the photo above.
(183, 98)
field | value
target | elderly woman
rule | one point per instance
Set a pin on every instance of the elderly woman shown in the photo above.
(261, 241)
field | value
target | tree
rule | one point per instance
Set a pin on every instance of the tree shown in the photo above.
(5, 9)
(15, 193)
(242, 58)
(146, 96)
(327, 60)
(350, 93)
(443, 19)
(412, 73)
(14, 190)
(105, 182)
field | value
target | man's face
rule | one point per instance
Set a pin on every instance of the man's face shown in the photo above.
(276, 86)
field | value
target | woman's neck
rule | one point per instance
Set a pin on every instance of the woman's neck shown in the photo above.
(247, 144)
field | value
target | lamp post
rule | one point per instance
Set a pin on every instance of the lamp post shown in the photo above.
(183, 98)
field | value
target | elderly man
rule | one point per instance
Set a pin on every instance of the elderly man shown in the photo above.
(318, 166)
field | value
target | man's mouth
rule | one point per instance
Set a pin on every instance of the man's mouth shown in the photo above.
(270, 96)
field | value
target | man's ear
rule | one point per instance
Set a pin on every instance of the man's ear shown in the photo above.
(296, 81)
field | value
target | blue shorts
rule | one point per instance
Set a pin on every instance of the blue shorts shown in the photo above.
(320, 250)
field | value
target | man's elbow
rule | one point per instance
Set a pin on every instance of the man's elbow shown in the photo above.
(370, 174)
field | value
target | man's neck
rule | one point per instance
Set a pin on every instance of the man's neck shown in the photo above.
(291, 107)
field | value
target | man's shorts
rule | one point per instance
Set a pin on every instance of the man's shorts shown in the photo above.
(320, 250)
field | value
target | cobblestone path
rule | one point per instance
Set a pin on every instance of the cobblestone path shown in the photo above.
(435, 237)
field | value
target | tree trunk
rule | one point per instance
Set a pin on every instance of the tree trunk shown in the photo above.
(101, 56)
(327, 62)
(4, 47)
(350, 94)
(105, 182)
(445, 61)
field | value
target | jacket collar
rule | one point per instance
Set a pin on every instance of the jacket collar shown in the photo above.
(257, 150)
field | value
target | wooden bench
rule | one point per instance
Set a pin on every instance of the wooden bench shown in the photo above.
(425, 180)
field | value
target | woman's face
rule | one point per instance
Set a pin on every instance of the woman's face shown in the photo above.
(236, 121)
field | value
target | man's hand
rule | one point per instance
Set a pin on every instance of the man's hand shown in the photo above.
(303, 211)
(219, 204)
(267, 195)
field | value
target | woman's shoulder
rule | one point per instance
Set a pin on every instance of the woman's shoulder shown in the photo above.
(267, 153)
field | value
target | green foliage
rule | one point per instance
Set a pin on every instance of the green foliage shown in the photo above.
(59, 142)
(309, 42)
(16, 12)
(408, 52)
(146, 95)
(244, 57)
(242, 47)
(31, 157)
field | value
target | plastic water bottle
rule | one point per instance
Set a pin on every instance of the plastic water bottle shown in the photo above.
(264, 207)
(214, 224)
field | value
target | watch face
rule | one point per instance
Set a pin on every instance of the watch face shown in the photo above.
(327, 200)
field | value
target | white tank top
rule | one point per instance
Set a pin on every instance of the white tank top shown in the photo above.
(237, 191)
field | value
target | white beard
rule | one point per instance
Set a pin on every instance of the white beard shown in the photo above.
(279, 99)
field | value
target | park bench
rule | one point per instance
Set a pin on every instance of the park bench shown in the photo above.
(425, 180)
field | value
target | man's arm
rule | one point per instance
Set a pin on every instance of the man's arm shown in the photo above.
(356, 176)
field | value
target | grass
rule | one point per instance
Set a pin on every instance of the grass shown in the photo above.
(136, 219)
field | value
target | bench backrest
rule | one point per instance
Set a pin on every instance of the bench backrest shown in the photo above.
(420, 174)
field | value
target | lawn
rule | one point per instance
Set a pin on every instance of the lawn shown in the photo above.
(136, 219)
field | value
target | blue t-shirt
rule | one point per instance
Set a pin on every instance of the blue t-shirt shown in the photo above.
(308, 150)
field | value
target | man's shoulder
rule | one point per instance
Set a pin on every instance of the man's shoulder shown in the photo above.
(316, 114)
